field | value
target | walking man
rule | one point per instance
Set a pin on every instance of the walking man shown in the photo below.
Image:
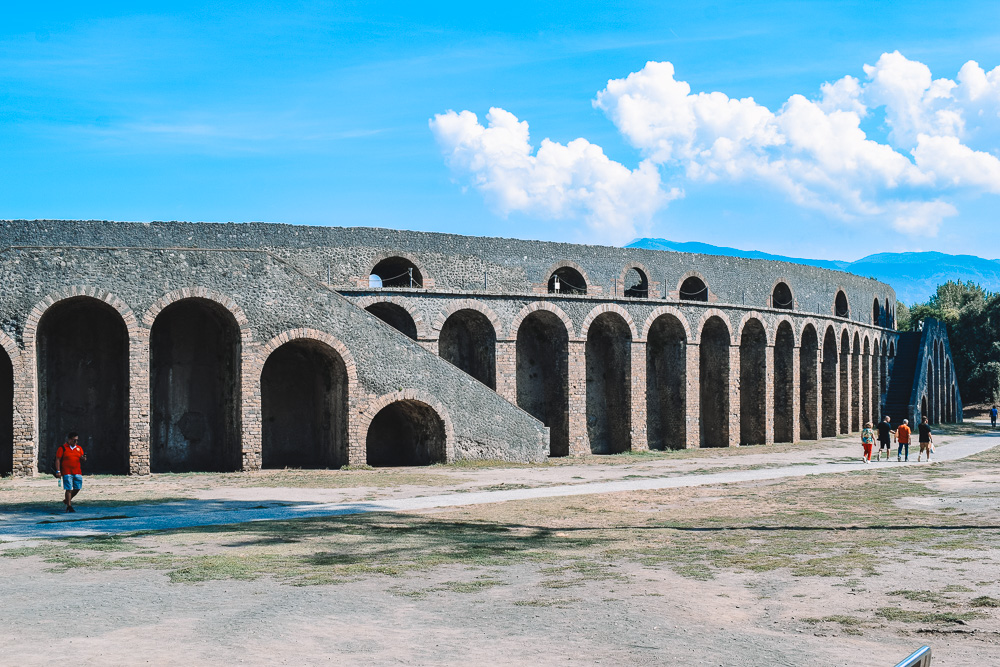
(903, 437)
(68, 458)
(885, 432)
(925, 439)
(993, 417)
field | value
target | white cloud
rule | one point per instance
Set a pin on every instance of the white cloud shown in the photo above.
(558, 181)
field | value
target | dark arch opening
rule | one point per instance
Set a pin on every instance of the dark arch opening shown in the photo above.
(866, 383)
(930, 393)
(303, 389)
(397, 272)
(693, 289)
(609, 385)
(923, 409)
(784, 383)
(949, 393)
(83, 383)
(195, 389)
(6, 414)
(713, 366)
(636, 284)
(543, 375)
(666, 373)
(876, 313)
(395, 316)
(567, 280)
(845, 383)
(829, 384)
(876, 363)
(808, 384)
(753, 384)
(856, 384)
(469, 341)
(406, 433)
(781, 297)
(840, 306)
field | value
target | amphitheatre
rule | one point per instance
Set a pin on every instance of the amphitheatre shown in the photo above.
(182, 347)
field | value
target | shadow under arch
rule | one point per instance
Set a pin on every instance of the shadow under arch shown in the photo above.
(406, 432)
(542, 374)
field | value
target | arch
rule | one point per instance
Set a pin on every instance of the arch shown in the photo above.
(542, 373)
(856, 397)
(784, 383)
(753, 383)
(658, 312)
(876, 381)
(82, 357)
(713, 349)
(634, 281)
(866, 382)
(608, 308)
(396, 316)
(6, 411)
(205, 294)
(753, 317)
(845, 381)
(949, 402)
(923, 409)
(195, 381)
(468, 340)
(419, 325)
(304, 406)
(929, 397)
(395, 272)
(609, 382)
(693, 288)
(876, 313)
(666, 382)
(841, 307)
(407, 428)
(567, 278)
(515, 324)
(830, 379)
(706, 316)
(808, 383)
(781, 296)
(466, 304)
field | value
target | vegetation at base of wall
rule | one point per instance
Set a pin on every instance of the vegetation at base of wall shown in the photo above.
(972, 316)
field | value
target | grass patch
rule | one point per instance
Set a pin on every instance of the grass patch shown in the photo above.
(910, 616)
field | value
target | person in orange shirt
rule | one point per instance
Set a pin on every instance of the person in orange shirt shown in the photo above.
(67, 463)
(903, 436)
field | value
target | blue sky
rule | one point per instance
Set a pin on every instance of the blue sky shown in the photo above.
(328, 114)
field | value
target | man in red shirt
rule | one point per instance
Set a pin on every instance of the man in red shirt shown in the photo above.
(68, 458)
(903, 437)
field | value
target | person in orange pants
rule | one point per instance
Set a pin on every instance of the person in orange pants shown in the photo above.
(867, 441)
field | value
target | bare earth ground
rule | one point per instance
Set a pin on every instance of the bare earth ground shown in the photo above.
(854, 568)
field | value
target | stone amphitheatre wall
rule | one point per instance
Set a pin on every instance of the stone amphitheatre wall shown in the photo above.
(213, 341)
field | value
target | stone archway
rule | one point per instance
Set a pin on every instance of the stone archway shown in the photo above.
(830, 379)
(808, 384)
(784, 383)
(609, 382)
(304, 394)
(714, 390)
(195, 380)
(408, 432)
(542, 368)
(6, 414)
(753, 383)
(83, 383)
(469, 341)
(395, 316)
(666, 379)
(845, 383)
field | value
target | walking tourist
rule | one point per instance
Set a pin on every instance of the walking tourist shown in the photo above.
(867, 441)
(993, 417)
(885, 433)
(903, 437)
(68, 458)
(925, 438)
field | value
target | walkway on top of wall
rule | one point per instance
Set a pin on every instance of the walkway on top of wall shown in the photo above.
(842, 455)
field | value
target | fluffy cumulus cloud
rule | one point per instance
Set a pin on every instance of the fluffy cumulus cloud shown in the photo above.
(939, 137)
(556, 181)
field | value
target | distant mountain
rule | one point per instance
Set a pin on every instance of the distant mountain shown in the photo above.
(914, 275)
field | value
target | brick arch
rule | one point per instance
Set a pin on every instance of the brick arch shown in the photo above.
(817, 327)
(706, 316)
(607, 308)
(35, 316)
(368, 412)
(200, 293)
(833, 302)
(769, 333)
(428, 281)
(402, 302)
(676, 293)
(466, 304)
(11, 348)
(823, 331)
(305, 333)
(783, 279)
(544, 283)
(666, 310)
(796, 338)
(638, 266)
(534, 307)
